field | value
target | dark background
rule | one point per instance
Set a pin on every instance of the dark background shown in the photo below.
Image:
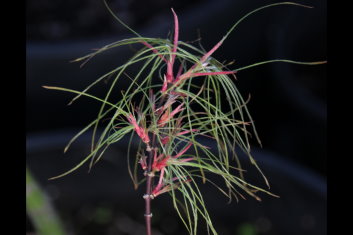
(288, 101)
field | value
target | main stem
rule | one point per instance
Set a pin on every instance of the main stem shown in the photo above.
(149, 179)
(147, 196)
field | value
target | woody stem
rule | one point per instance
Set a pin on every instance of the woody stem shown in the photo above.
(148, 214)
(149, 179)
(148, 195)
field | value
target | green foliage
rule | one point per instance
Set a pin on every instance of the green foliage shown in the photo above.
(204, 83)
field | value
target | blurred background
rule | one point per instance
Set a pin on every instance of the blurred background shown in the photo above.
(288, 104)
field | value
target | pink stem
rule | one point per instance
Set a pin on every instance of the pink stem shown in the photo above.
(183, 151)
(159, 185)
(154, 50)
(170, 76)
